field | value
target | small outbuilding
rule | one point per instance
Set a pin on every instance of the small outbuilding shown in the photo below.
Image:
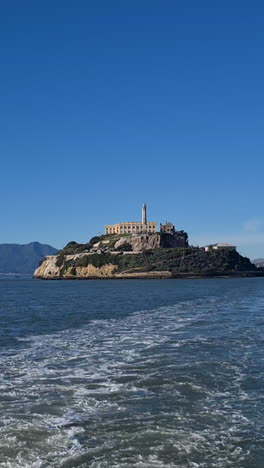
(223, 246)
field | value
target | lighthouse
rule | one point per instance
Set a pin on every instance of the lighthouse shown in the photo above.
(144, 215)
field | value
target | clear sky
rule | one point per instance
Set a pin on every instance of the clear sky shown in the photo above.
(105, 105)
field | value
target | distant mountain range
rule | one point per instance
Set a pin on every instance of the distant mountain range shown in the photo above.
(259, 261)
(16, 258)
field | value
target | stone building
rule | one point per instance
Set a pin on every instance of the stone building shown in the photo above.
(133, 227)
(168, 227)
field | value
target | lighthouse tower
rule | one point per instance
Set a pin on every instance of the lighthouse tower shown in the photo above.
(144, 217)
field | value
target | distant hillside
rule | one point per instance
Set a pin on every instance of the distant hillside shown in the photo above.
(16, 258)
(259, 261)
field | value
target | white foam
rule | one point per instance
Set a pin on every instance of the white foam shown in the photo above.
(98, 381)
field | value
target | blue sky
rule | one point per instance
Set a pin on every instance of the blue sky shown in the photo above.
(106, 105)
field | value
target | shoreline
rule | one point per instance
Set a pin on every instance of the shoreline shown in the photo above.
(164, 276)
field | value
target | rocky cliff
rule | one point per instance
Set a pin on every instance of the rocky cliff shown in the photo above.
(145, 242)
(159, 262)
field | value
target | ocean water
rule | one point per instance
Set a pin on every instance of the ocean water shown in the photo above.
(163, 373)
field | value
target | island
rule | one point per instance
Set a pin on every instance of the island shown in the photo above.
(145, 255)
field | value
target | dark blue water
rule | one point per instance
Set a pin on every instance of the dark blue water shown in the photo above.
(132, 373)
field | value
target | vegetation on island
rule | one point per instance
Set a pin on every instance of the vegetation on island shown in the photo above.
(161, 254)
(176, 260)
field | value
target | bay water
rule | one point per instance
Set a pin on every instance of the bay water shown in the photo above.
(132, 373)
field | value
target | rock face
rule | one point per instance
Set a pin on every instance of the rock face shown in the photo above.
(145, 242)
(48, 268)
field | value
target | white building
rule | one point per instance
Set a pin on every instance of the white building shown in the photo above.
(223, 246)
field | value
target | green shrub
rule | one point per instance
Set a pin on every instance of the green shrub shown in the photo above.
(94, 240)
(60, 260)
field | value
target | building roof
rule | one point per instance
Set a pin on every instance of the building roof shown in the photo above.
(221, 244)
